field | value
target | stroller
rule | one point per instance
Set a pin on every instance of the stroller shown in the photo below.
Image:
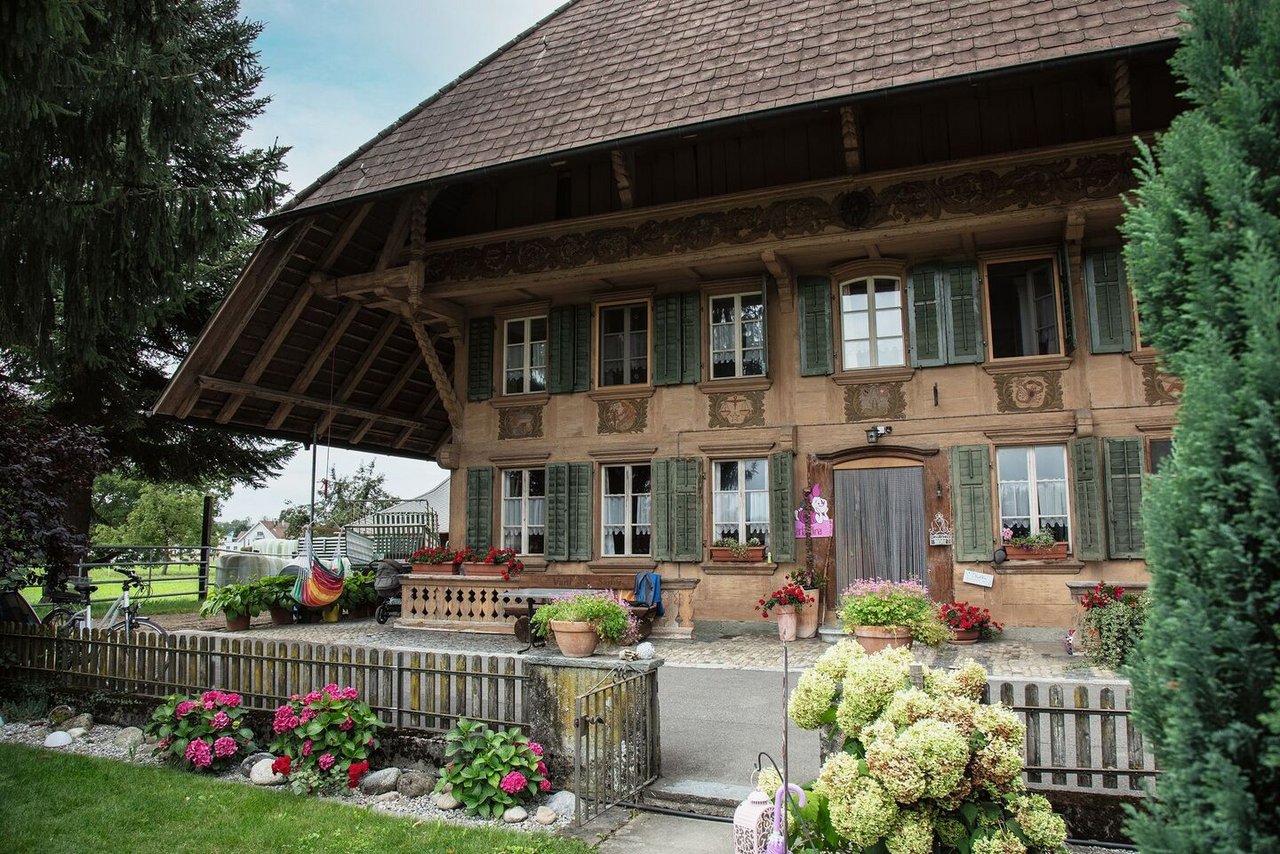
(386, 583)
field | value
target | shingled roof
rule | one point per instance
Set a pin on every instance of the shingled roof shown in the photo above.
(596, 71)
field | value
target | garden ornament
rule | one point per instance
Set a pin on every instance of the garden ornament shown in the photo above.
(778, 839)
(1069, 642)
(645, 651)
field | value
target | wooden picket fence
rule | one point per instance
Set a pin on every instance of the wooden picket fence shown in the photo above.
(1080, 735)
(407, 688)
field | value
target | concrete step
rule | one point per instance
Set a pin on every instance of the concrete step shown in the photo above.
(703, 797)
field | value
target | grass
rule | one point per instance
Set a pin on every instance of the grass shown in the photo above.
(55, 802)
(108, 590)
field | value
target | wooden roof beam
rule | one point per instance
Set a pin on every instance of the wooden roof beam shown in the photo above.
(348, 230)
(316, 361)
(1121, 103)
(246, 390)
(398, 234)
(371, 354)
(284, 323)
(438, 375)
(623, 167)
(423, 411)
(389, 394)
(359, 283)
(852, 141)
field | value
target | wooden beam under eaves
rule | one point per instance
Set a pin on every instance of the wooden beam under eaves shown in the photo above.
(347, 231)
(1121, 100)
(360, 283)
(424, 410)
(270, 346)
(371, 353)
(245, 390)
(316, 361)
(389, 394)
(623, 169)
(851, 139)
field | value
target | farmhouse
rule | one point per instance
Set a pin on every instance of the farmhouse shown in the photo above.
(650, 271)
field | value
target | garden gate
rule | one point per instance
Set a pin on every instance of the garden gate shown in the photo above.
(616, 743)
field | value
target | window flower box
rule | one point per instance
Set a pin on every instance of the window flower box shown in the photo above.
(754, 554)
(1057, 551)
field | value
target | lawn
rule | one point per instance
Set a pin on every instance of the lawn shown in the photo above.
(109, 589)
(54, 802)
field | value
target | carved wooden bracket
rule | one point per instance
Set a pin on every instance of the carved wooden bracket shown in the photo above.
(852, 146)
(622, 163)
(782, 273)
(1120, 97)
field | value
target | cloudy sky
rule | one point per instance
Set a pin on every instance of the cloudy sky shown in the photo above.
(338, 72)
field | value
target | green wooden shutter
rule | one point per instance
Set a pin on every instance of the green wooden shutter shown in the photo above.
(690, 337)
(782, 540)
(924, 316)
(686, 509)
(676, 339)
(963, 313)
(581, 482)
(480, 507)
(660, 508)
(480, 359)
(1124, 497)
(1087, 488)
(557, 539)
(815, 326)
(569, 349)
(971, 502)
(1064, 280)
(1107, 295)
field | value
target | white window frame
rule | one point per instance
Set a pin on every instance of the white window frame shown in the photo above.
(1056, 285)
(630, 527)
(873, 338)
(527, 364)
(736, 324)
(1033, 491)
(525, 503)
(740, 501)
(627, 333)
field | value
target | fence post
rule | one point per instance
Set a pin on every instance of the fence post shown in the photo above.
(206, 534)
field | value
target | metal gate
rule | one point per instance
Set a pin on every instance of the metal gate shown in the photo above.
(616, 746)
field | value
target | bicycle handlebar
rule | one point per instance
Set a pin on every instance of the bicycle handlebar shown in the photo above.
(132, 578)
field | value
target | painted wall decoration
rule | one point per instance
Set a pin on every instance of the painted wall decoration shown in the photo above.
(735, 409)
(874, 402)
(1160, 387)
(821, 524)
(520, 422)
(629, 415)
(1031, 392)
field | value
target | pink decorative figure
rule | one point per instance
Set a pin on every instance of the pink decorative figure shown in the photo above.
(778, 839)
(820, 516)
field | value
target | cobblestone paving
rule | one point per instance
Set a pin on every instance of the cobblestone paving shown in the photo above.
(747, 651)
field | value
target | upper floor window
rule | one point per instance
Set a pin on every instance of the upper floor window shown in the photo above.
(737, 336)
(525, 355)
(624, 344)
(740, 500)
(871, 323)
(1022, 303)
(1033, 490)
(524, 517)
(624, 513)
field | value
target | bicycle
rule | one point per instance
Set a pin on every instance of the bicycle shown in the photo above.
(64, 618)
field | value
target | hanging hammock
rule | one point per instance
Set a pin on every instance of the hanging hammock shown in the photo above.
(317, 585)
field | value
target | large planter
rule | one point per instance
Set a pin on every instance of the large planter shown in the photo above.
(875, 638)
(237, 624)
(281, 616)
(966, 636)
(433, 569)
(808, 617)
(1057, 551)
(786, 622)
(575, 639)
(719, 554)
(483, 570)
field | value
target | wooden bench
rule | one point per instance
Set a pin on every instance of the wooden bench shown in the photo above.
(623, 585)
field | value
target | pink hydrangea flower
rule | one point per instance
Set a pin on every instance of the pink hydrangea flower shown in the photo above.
(210, 696)
(326, 761)
(208, 705)
(220, 721)
(535, 748)
(198, 753)
(307, 714)
(347, 724)
(164, 743)
(334, 692)
(184, 708)
(231, 701)
(350, 693)
(544, 785)
(306, 747)
(542, 768)
(513, 782)
(285, 720)
(225, 746)
(311, 697)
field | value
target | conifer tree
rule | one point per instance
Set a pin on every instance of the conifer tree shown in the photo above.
(1204, 258)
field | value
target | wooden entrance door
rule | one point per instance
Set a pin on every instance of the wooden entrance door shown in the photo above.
(880, 527)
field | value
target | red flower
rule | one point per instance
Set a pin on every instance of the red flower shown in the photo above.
(355, 772)
(282, 765)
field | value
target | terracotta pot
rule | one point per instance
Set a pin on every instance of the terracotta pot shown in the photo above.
(966, 636)
(281, 616)
(786, 622)
(482, 570)
(237, 624)
(1055, 552)
(876, 638)
(720, 554)
(425, 568)
(575, 639)
(807, 618)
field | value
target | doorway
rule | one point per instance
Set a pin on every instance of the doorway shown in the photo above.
(880, 526)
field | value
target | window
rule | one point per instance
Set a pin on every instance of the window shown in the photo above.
(741, 500)
(625, 511)
(524, 518)
(1022, 300)
(1033, 490)
(1158, 451)
(871, 323)
(737, 336)
(624, 344)
(525, 360)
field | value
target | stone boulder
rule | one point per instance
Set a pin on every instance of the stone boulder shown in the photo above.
(415, 784)
(58, 714)
(77, 732)
(380, 782)
(58, 739)
(247, 765)
(546, 815)
(262, 775)
(446, 801)
(84, 721)
(514, 815)
(564, 803)
(130, 738)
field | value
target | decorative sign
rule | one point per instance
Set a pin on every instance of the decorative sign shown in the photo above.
(940, 532)
(819, 518)
(981, 579)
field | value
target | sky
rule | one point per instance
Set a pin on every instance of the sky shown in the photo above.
(337, 73)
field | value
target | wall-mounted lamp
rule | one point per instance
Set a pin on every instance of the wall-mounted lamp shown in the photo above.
(874, 433)
(937, 489)
(999, 556)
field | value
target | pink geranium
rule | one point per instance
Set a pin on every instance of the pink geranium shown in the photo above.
(224, 747)
(199, 753)
(513, 782)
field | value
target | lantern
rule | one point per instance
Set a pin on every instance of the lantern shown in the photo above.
(752, 821)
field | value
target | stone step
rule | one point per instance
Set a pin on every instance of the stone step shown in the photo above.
(703, 797)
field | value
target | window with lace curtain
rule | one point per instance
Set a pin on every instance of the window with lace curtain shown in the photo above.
(625, 521)
(1033, 490)
(737, 336)
(741, 500)
(524, 519)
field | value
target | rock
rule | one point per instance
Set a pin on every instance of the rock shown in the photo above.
(380, 782)
(58, 714)
(152, 738)
(387, 797)
(130, 738)
(564, 803)
(262, 775)
(84, 721)
(546, 815)
(57, 739)
(446, 801)
(515, 815)
(77, 732)
(415, 784)
(247, 765)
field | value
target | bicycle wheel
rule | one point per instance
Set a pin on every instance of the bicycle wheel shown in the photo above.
(140, 624)
(59, 618)
(382, 614)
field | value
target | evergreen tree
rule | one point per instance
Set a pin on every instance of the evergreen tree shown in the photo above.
(1204, 258)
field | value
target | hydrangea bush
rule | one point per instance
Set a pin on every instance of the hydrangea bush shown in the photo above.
(324, 738)
(204, 733)
(489, 771)
(914, 770)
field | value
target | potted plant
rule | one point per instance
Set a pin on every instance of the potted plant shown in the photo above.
(785, 601)
(730, 550)
(277, 594)
(1041, 544)
(581, 620)
(494, 563)
(883, 614)
(813, 582)
(428, 559)
(969, 623)
(239, 602)
(358, 596)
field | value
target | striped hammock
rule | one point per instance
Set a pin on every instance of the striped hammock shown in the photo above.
(317, 585)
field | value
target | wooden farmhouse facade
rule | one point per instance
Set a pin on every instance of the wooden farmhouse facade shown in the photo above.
(650, 271)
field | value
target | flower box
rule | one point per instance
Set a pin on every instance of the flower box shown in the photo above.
(1057, 551)
(434, 569)
(755, 554)
(484, 570)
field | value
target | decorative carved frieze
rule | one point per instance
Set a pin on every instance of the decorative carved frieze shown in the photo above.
(875, 402)
(983, 191)
(1034, 391)
(735, 409)
(624, 415)
(1160, 388)
(520, 422)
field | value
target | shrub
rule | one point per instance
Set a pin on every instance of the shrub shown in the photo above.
(234, 600)
(357, 591)
(204, 733)
(491, 770)
(325, 738)
(276, 591)
(878, 602)
(1112, 625)
(605, 611)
